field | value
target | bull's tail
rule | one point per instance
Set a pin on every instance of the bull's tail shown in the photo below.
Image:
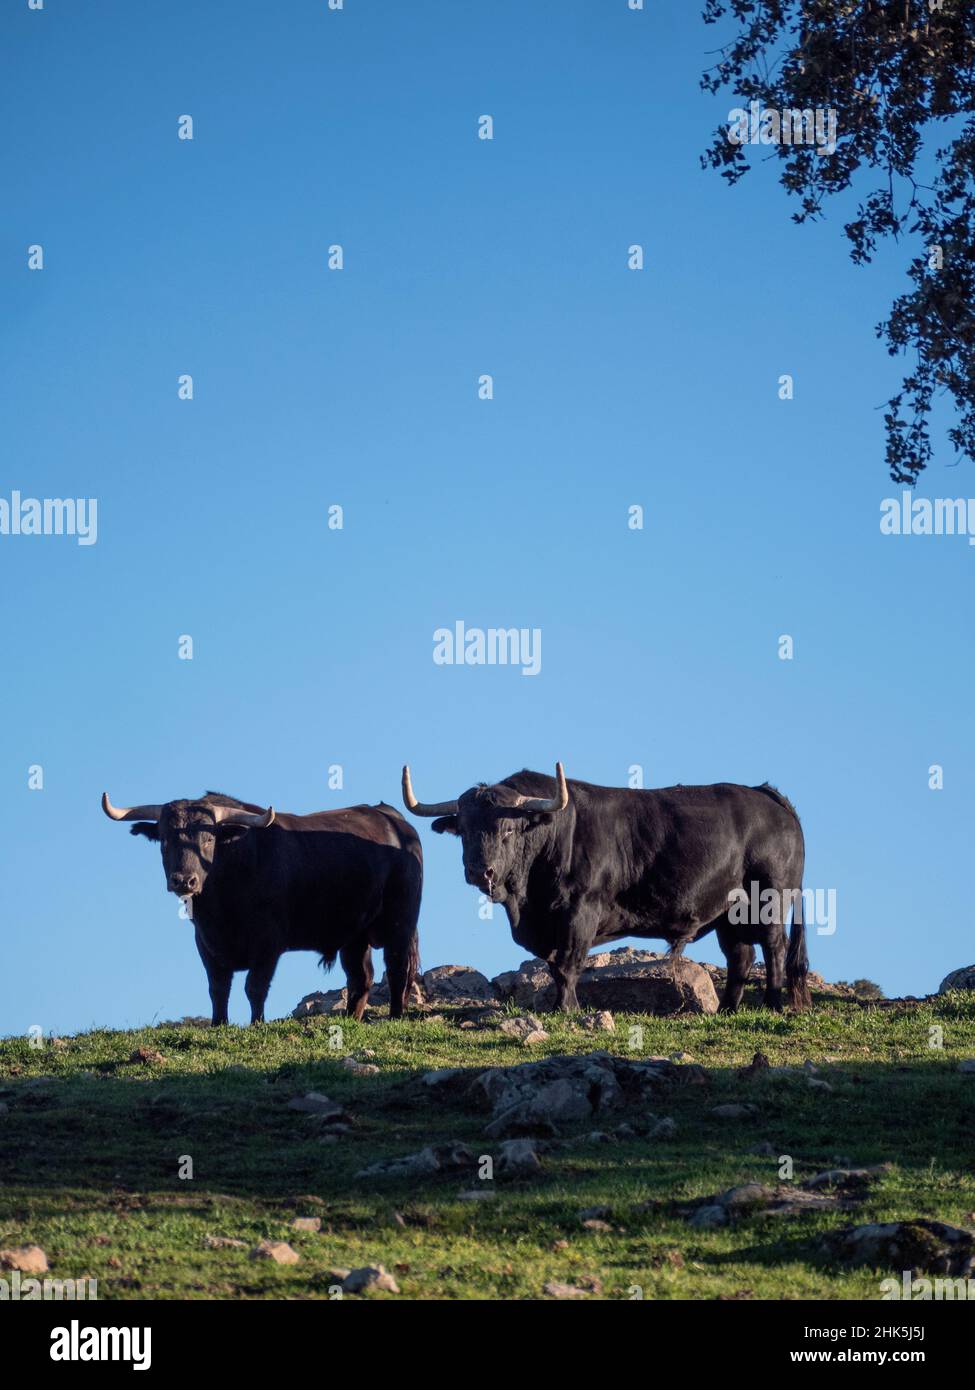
(797, 960)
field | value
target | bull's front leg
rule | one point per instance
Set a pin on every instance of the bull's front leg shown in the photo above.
(219, 979)
(257, 984)
(568, 960)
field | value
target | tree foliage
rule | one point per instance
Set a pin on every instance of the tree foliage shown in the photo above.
(900, 75)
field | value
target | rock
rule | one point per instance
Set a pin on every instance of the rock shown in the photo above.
(480, 1194)
(518, 1158)
(557, 1102)
(379, 994)
(446, 984)
(331, 1001)
(750, 1194)
(593, 1214)
(958, 979)
(818, 1085)
(967, 1065)
(148, 1056)
(732, 1112)
(756, 981)
(522, 1027)
(556, 1290)
(664, 1129)
(277, 1250)
(709, 1217)
(530, 986)
(625, 980)
(369, 1277)
(436, 1158)
(752, 1197)
(359, 1068)
(307, 1223)
(29, 1259)
(603, 1022)
(334, 1001)
(933, 1246)
(223, 1243)
(846, 1177)
(314, 1103)
(537, 1035)
(529, 1099)
(595, 1224)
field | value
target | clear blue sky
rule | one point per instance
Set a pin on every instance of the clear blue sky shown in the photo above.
(358, 387)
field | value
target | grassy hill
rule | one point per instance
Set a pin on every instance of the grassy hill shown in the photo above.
(92, 1135)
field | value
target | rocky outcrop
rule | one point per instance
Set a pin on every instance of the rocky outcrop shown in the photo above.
(625, 980)
(534, 1098)
(958, 979)
(622, 981)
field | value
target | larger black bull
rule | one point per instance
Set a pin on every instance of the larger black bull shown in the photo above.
(336, 882)
(576, 865)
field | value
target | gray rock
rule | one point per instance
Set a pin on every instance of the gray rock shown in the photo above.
(446, 984)
(555, 1289)
(359, 1068)
(602, 1022)
(732, 1112)
(518, 1158)
(708, 1217)
(331, 1001)
(967, 1065)
(435, 1158)
(523, 1026)
(277, 1250)
(958, 979)
(314, 1103)
(369, 1277)
(750, 1194)
(624, 980)
(846, 1177)
(307, 1223)
(933, 1246)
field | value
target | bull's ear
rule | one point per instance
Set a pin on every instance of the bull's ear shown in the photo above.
(445, 823)
(148, 828)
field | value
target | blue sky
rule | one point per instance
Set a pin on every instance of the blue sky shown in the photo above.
(359, 387)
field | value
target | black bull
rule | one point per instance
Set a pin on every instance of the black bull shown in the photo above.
(576, 865)
(336, 882)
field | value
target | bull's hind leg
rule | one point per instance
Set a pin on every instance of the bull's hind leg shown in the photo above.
(774, 903)
(773, 949)
(356, 961)
(740, 956)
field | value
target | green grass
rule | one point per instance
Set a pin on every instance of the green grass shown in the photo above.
(90, 1157)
